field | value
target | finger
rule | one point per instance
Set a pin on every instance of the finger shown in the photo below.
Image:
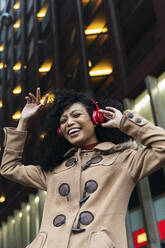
(38, 95)
(46, 99)
(111, 108)
(40, 107)
(108, 118)
(32, 97)
(107, 124)
(106, 112)
(28, 100)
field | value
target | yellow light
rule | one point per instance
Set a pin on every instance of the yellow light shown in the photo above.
(42, 13)
(17, 66)
(17, 90)
(90, 63)
(94, 31)
(1, 65)
(51, 98)
(46, 66)
(16, 5)
(17, 24)
(102, 72)
(1, 48)
(17, 115)
(2, 198)
(85, 1)
(141, 238)
(1, 104)
(42, 135)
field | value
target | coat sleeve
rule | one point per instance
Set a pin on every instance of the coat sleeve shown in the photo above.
(143, 162)
(12, 167)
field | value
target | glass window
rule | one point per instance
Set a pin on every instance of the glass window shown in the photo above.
(143, 107)
(161, 86)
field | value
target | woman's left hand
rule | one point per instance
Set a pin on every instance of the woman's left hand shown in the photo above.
(113, 117)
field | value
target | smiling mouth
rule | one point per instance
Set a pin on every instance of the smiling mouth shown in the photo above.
(73, 131)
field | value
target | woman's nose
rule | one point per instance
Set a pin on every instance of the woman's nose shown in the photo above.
(70, 121)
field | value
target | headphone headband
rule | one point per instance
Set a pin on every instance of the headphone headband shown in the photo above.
(97, 106)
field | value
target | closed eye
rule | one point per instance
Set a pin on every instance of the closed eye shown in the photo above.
(62, 121)
(76, 115)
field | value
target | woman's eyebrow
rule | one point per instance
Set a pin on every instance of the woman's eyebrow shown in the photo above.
(75, 110)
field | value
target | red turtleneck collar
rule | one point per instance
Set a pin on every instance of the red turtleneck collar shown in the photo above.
(89, 147)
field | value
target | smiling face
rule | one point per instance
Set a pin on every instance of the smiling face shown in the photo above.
(77, 127)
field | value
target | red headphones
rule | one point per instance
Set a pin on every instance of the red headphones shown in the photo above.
(59, 133)
(97, 118)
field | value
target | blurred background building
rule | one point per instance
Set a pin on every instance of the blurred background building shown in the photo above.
(113, 48)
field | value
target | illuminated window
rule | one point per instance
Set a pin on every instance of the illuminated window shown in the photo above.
(17, 24)
(85, 2)
(17, 66)
(2, 198)
(1, 104)
(17, 90)
(16, 5)
(100, 72)
(42, 135)
(90, 63)
(46, 66)
(51, 98)
(42, 13)
(103, 68)
(96, 30)
(1, 65)
(17, 115)
(1, 48)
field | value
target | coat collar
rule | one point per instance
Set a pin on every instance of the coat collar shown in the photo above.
(107, 148)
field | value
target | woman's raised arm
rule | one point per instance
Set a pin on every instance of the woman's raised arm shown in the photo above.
(12, 167)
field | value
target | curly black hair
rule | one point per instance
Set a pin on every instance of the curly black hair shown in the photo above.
(53, 147)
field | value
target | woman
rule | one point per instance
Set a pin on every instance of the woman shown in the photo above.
(89, 168)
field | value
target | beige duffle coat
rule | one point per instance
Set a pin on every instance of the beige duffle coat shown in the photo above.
(88, 194)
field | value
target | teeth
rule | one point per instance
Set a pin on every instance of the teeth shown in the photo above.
(74, 130)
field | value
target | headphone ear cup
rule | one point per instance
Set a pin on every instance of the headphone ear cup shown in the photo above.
(94, 118)
(97, 118)
(59, 132)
